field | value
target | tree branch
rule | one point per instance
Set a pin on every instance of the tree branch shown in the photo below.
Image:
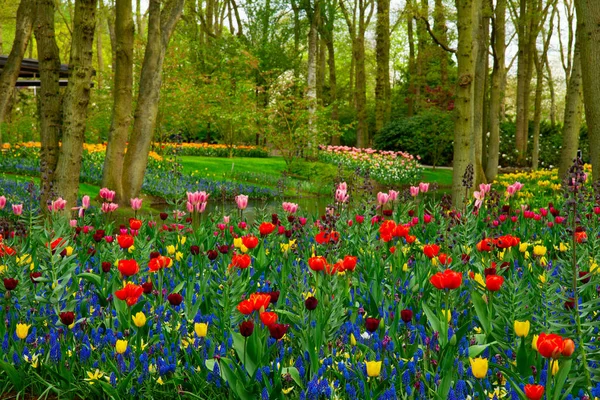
(435, 39)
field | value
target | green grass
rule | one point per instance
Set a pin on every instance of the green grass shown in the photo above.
(215, 168)
(442, 176)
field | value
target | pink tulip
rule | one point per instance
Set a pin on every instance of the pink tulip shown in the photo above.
(424, 187)
(290, 208)
(200, 207)
(485, 187)
(341, 196)
(242, 225)
(73, 223)
(109, 207)
(241, 201)
(544, 212)
(85, 202)
(221, 227)
(559, 220)
(226, 219)
(190, 207)
(343, 186)
(479, 196)
(281, 229)
(414, 191)
(427, 218)
(382, 198)
(2, 202)
(302, 221)
(17, 209)
(57, 205)
(107, 194)
(415, 221)
(109, 239)
(393, 195)
(136, 203)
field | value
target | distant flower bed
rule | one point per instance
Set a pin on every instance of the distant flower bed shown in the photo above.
(387, 167)
(162, 177)
(212, 150)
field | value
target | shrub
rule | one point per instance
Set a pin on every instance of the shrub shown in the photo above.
(428, 135)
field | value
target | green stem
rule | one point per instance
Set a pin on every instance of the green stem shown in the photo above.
(549, 379)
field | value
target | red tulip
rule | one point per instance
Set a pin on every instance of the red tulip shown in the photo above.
(311, 303)
(175, 299)
(265, 228)
(125, 241)
(485, 245)
(245, 307)
(317, 263)
(268, 318)
(349, 263)
(431, 250)
(246, 328)
(128, 267)
(406, 315)
(241, 261)
(446, 280)
(250, 241)
(33, 276)
(534, 392)
(135, 224)
(130, 293)
(569, 348)
(550, 345)
(10, 283)
(444, 259)
(372, 324)
(278, 330)
(494, 282)
(159, 263)
(67, 317)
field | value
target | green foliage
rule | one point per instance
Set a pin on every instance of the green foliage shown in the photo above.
(428, 135)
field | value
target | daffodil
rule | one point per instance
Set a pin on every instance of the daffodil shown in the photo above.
(479, 367)
(522, 328)
(201, 329)
(373, 368)
(93, 376)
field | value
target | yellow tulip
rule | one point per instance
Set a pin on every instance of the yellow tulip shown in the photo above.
(448, 314)
(523, 247)
(539, 250)
(121, 346)
(555, 367)
(178, 257)
(139, 319)
(237, 243)
(201, 329)
(479, 367)
(352, 340)
(479, 279)
(522, 328)
(69, 250)
(373, 368)
(534, 342)
(563, 247)
(22, 330)
(171, 249)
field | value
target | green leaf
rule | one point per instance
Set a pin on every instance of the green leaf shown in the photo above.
(93, 278)
(179, 287)
(293, 371)
(561, 378)
(431, 317)
(13, 374)
(251, 364)
(523, 363)
(481, 311)
(477, 349)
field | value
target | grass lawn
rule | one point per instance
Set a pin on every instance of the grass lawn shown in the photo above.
(213, 167)
(442, 176)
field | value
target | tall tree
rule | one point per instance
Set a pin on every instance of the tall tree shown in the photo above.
(313, 11)
(161, 24)
(358, 21)
(464, 152)
(572, 117)
(122, 97)
(479, 90)
(412, 64)
(10, 72)
(497, 87)
(76, 101)
(588, 26)
(326, 29)
(49, 95)
(382, 50)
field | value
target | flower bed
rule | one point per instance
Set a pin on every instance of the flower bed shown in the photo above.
(400, 300)
(386, 167)
(212, 150)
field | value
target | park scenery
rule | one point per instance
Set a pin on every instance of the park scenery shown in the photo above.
(300, 199)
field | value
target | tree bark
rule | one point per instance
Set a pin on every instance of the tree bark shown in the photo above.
(537, 114)
(161, 25)
(122, 95)
(335, 140)
(572, 117)
(10, 72)
(382, 50)
(49, 96)
(138, 19)
(311, 76)
(321, 69)
(412, 68)
(481, 73)
(76, 101)
(497, 88)
(464, 152)
(588, 25)
(99, 55)
(440, 29)
(422, 53)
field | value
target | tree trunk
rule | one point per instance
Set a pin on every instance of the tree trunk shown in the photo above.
(138, 19)
(321, 68)
(11, 69)
(422, 54)
(588, 21)
(383, 63)
(572, 117)
(362, 134)
(160, 27)
(49, 96)
(335, 140)
(464, 154)
(110, 22)
(99, 55)
(497, 89)
(552, 91)
(439, 28)
(412, 68)
(122, 95)
(537, 115)
(311, 76)
(479, 93)
(76, 101)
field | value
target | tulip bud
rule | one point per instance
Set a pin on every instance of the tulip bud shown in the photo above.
(569, 347)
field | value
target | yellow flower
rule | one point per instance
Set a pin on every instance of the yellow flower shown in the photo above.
(131, 249)
(405, 267)
(237, 243)
(22, 330)
(139, 319)
(534, 342)
(539, 250)
(3, 269)
(178, 257)
(522, 328)
(523, 247)
(479, 367)
(555, 367)
(93, 376)
(352, 340)
(33, 360)
(201, 329)
(542, 278)
(160, 381)
(69, 250)
(181, 240)
(563, 247)
(479, 279)
(447, 314)
(373, 368)
(288, 390)
(593, 265)
(171, 249)
(121, 346)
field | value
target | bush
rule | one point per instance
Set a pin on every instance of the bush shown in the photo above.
(428, 135)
